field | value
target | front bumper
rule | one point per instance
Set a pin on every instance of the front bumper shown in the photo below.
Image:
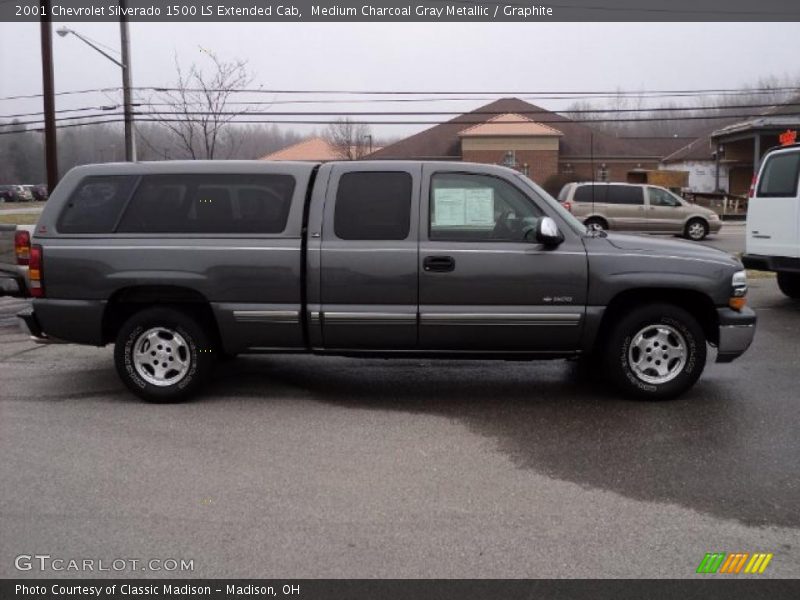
(759, 262)
(714, 225)
(736, 332)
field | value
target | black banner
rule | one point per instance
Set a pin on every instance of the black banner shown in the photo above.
(415, 589)
(399, 11)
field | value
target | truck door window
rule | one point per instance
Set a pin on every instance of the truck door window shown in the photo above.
(210, 204)
(659, 197)
(468, 207)
(780, 175)
(373, 205)
(95, 205)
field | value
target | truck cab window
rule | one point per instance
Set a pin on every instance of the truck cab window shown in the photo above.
(466, 207)
(95, 205)
(373, 205)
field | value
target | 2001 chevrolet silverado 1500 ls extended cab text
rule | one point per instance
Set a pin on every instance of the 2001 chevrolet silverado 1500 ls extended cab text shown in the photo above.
(179, 262)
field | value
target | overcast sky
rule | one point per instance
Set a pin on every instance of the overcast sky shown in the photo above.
(492, 57)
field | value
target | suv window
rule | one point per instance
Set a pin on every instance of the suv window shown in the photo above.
(780, 175)
(659, 197)
(373, 205)
(471, 207)
(210, 204)
(591, 193)
(95, 205)
(625, 194)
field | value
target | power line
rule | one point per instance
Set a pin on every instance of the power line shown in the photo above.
(719, 108)
(154, 118)
(460, 95)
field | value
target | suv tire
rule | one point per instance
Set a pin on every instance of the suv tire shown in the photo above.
(656, 352)
(789, 283)
(696, 230)
(163, 355)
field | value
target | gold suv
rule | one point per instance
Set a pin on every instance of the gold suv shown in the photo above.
(635, 207)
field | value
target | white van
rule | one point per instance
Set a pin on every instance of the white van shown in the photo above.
(773, 219)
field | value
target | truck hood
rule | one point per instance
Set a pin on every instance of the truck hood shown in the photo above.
(659, 246)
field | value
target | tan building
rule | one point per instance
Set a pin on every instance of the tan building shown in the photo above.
(314, 149)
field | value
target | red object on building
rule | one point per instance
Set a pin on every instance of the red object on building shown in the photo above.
(788, 137)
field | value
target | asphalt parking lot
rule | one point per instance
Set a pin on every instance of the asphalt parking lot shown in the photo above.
(293, 466)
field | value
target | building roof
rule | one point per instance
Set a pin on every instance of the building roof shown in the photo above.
(442, 142)
(510, 124)
(314, 149)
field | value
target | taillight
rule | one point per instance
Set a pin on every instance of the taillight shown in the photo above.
(752, 191)
(22, 246)
(568, 206)
(35, 280)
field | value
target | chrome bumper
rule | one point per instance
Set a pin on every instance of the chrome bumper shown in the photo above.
(736, 332)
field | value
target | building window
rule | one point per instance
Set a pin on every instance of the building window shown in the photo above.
(510, 159)
(602, 173)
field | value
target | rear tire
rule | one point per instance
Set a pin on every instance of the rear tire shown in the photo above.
(655, 352)
(597, 223)
(696, 230)
(789, 283)
(163, 355)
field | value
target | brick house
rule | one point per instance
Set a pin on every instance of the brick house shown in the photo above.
(536, 141)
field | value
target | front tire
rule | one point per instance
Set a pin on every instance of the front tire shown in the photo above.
(656, 352)
(696, 230)
(789, 283)
(163, 355)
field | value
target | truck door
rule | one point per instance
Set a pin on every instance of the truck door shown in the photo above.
(368, 263)
(773, 217)
(483, 287)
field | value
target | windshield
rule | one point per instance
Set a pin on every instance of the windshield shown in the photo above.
(567, 216)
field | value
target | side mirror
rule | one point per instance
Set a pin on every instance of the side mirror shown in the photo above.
(547, 232)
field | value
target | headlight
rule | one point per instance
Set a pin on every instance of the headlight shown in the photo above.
(738, 298)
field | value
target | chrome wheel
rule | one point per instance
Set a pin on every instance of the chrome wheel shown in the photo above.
(657, 354)
(696, 230)
(161, 356)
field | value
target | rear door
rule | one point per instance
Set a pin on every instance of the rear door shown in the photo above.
(368, 262)
(773, 226)
(483, 287)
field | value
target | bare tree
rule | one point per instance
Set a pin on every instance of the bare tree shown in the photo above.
(351, 140)
(198, 106)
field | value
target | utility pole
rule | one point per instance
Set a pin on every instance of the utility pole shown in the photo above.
(48, 92)
(130, 142)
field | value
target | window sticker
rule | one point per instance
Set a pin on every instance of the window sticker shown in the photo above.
(463, 207)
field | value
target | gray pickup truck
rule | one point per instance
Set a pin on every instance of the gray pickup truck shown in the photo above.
(178, 263)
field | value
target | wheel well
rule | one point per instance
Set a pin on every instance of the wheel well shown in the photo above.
(130, 300)
(700, 306)
(597, 218)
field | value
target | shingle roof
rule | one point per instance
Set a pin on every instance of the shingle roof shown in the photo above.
(443, 142)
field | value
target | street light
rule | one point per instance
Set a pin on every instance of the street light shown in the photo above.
(124, 64)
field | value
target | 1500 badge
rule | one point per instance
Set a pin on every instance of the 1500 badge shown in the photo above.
(558, 299)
